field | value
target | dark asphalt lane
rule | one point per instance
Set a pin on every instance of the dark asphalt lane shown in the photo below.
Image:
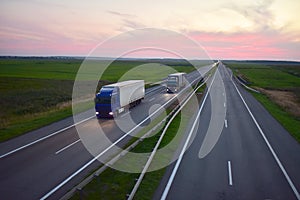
(254, 171)
(33, 171)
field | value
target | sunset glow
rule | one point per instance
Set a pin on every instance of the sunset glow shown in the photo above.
(238, 29)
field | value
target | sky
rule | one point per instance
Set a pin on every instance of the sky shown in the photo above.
(226, 29)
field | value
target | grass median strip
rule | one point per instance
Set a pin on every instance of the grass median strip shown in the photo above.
(114, 184)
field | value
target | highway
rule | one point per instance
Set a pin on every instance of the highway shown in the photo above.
(249, 155)
(34, 164)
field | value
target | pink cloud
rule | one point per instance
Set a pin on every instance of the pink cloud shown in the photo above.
(264, 45)
(18, 37)
(40, 40)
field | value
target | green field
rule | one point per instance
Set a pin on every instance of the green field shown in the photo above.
(274, 78)
(27, 103)
(59, 69)
(66, 69)
(38, 91)
(267, 76)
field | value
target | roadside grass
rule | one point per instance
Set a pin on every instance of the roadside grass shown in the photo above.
(269, 79)
(152, 179)
(266, 76)
(27, 104)
(114, 184)
(25, 123)
(292, 124)
(38, 91)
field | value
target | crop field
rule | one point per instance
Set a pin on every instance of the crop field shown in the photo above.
(38, 91)
(268, 76)
(279, 85)
(39, 68)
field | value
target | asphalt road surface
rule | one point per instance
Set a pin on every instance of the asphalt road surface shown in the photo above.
(247, 160)
(30, 172)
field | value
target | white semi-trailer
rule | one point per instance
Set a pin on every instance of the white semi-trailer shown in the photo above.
(115, 98)
(175, 82)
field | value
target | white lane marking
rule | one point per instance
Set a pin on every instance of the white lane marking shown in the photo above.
(226, 125)
(125, 114)
(109, 147)
(269, 146)
(224, 104)
(171, 179)
(229, 173)
(46, 137)
(151, 99)
(64, 148)
(223, 94)
(136, 186)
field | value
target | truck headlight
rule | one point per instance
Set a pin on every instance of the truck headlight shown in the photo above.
(110, 113)
(97, 113)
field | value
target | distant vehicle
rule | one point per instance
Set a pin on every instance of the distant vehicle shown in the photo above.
(175, 82)
(115, 98)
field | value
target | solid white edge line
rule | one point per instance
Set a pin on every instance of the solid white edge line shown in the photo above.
(269, 146)
(151, 99)
(46, 137)
(108, 148)
(125, 114)
(229, 173)
(59, 131)
(136, 186)
(171, 179)
(64, 148)
(226, 125)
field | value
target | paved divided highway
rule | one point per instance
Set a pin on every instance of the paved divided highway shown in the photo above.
(34, 164)
(254, 157)
(239, 151)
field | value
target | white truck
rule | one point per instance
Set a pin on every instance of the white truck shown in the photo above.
(175, 82)
(115, 98)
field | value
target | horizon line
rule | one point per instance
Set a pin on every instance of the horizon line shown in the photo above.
(138, 58)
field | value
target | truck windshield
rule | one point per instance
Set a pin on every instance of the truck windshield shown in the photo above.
(103, 100)
(172, 81)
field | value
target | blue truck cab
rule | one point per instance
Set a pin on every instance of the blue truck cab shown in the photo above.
(117, 98)
(106, 102)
